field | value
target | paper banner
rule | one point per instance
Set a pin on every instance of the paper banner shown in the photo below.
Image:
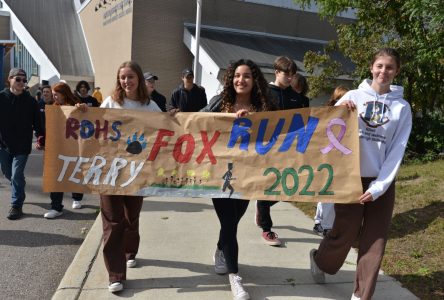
(309, 154)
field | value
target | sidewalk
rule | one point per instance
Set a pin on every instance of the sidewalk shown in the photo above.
(178, 239)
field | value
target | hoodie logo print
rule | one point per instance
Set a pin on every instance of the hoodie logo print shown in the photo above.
(375, 114)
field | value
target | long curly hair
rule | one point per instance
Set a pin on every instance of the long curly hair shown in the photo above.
(142, 92)
(65, 90)
(260, 95)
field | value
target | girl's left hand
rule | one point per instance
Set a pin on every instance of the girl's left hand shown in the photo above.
(82, 107)
(241, 113)
(366, 197)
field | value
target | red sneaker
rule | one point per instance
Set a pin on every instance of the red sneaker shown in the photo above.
(271, 238)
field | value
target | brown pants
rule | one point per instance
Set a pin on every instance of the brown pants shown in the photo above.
(370, 223)
(120, 219)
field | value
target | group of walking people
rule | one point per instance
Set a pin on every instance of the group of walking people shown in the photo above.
(379, 105)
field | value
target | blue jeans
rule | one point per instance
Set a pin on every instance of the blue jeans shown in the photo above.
(13, 167)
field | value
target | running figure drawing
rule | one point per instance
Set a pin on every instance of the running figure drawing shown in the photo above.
(228, 177)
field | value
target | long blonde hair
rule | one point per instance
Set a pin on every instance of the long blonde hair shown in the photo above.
(337, 94)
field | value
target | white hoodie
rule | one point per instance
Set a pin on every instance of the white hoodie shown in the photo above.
(385, 122)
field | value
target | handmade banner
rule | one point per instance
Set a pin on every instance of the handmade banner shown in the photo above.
(309, 154)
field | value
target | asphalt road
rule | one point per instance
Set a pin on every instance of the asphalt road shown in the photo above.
(35, 252)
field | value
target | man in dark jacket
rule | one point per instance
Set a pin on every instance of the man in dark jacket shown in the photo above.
(188, 97)
(283, 94)
(150, 82)
(285, 98)
(19, 117)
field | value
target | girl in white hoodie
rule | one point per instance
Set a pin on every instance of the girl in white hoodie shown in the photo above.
(385, 122)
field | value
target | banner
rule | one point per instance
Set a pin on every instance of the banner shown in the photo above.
(309, 154)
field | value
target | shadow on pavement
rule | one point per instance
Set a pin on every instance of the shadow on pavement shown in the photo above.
(153, 205)
(35, 239)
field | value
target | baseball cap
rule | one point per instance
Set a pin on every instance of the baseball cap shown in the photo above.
(149, 75)
(16, 72)
(187, 72)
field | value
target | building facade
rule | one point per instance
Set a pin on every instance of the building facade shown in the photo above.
(160, 36)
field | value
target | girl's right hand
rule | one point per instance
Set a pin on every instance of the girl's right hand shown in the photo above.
(241, 113)
(350, 104)
(82, 107)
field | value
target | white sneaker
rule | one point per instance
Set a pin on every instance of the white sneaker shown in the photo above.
(237, 289)
(51, 214)
(131, 263)
(354, 297)
(220, 266)
(317, 274)
(76, 204)
(115, 287)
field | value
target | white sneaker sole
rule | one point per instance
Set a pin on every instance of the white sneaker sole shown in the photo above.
(51, 216)
(132, 263)
(115, 288)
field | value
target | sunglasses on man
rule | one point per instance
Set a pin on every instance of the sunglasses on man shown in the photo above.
(19, 79)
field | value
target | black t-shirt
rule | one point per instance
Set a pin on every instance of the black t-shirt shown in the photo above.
(90, 101)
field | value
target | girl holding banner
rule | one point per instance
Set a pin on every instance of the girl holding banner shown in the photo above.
(62, 95)
(120, 213)
(245, 90)
(385, 122)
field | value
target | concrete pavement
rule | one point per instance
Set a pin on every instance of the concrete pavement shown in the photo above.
(178, 239)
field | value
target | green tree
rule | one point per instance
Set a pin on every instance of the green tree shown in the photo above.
(414, 27)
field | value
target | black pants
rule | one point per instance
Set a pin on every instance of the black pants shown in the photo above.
(229, 211)
(57, 198)
(264, 217)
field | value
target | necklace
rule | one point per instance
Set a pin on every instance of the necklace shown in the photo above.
(239, 106)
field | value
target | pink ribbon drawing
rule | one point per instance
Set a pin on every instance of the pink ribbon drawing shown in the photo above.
(336, 142)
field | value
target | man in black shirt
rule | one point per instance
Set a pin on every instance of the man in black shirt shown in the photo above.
(82, 89)
(188, 97)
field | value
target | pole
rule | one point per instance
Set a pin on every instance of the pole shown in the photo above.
(196, 56)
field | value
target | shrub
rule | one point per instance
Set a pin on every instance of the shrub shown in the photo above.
(427, 138)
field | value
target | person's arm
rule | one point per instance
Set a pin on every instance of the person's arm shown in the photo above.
(162, 102)
(154, 107)
(204, 100)
(95, 103)
(172, 104)
(347, 101)
(214, 105)
(394, 155)
(38, 126)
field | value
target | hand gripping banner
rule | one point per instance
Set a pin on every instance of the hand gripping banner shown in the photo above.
(309, 154)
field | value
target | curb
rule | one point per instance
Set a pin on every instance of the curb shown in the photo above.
(77, 273)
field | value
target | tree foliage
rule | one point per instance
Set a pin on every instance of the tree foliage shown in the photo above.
(414, 27)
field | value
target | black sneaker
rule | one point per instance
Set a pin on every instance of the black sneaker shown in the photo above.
(15, 213)
(318, 229)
